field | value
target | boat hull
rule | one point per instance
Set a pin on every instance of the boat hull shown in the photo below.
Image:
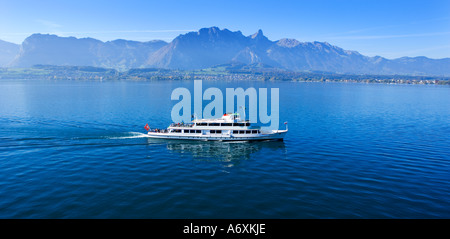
(274, 135)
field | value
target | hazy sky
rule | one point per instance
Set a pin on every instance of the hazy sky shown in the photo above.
(387, 28)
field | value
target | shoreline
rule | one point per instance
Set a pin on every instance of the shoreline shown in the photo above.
(82, 73)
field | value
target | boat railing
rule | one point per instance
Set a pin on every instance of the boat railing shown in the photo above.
(181, 125)
(190, 125)
(159, 131)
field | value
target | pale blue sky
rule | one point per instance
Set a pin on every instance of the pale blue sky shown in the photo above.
(387, 28)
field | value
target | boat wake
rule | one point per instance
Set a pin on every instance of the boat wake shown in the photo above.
(130, 135)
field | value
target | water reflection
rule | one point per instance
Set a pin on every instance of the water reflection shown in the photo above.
(231, 153)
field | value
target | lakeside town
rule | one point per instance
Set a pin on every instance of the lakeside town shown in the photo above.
(49, 72)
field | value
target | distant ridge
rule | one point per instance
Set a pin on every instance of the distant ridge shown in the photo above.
(46, 49)
(210, 47)
(7, 52)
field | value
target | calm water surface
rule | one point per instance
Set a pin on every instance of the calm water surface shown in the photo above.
(77, 150)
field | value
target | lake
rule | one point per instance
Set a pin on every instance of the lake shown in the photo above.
(77, 149)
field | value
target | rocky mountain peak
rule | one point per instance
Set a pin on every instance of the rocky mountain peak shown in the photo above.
(289, 43)
(258, 34)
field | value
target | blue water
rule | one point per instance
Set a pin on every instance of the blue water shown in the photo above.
(75, 149)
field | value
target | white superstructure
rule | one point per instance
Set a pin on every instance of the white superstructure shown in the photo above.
(228, 128)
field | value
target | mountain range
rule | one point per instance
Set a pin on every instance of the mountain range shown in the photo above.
(210, 47)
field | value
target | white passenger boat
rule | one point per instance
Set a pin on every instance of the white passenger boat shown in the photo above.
(228, 128)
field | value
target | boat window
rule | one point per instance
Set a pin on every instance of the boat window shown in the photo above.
(254, 131)
(226, 124)
(248, 131)
(177, 130)
(235, 131)
(198, 131)
(247, 124)
(214, 124)
(241, 131)
(218, 131)
(212, 131)
(239, 124)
